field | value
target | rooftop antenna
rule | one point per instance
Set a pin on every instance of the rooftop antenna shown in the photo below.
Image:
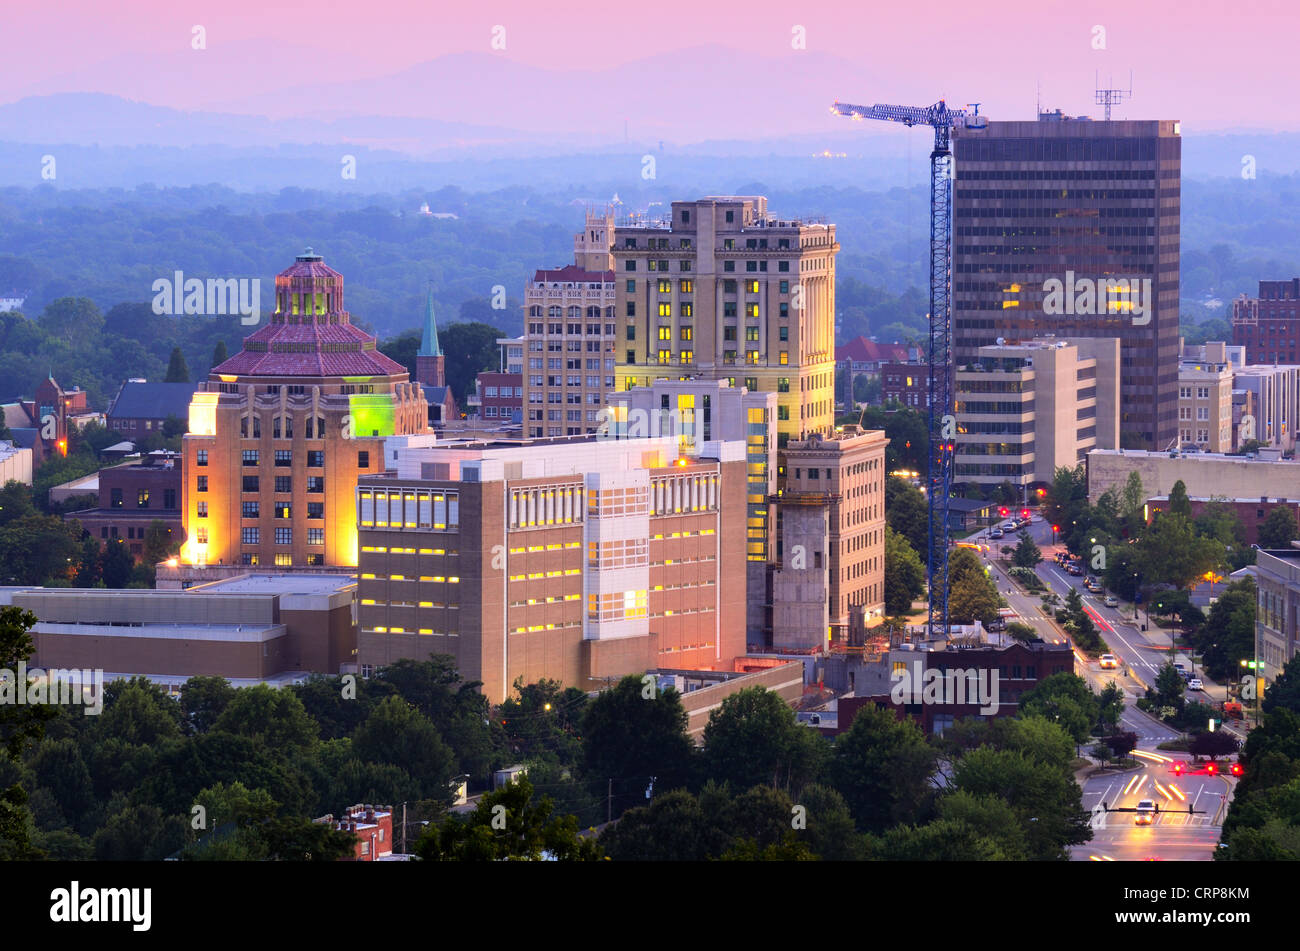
(1038, 98)
(1112, 97)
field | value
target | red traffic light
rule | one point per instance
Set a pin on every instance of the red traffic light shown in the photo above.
(1236, 769)
(1024, 513)
(1213, 769)
(1056, 528)
(1178, 769)
(1002, 511)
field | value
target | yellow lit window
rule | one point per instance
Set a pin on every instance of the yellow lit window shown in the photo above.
(426, 630)
(751, 287)
(665, 310)
(367, 576)
(688, 356)
(665, 333)
(367, 600)
(381, 630)
(426, 604)
(399, 630)
(785, 357)
(398, 577)
(665, 356)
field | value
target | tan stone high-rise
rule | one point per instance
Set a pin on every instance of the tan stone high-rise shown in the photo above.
(723, 290)
(570, 337)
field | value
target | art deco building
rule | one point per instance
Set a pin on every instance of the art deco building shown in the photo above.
(722, 290)
(279, 433)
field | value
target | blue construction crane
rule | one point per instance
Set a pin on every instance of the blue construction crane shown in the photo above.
(943, 419)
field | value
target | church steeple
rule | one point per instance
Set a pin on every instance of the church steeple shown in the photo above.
(430, 364)
(429, 346)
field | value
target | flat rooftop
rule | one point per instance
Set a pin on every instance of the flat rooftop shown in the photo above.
(1266, 455)
(275, 584)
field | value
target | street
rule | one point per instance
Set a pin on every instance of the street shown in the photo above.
(1174, 834)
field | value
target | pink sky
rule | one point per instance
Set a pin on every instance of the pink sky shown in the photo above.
(1211, 64)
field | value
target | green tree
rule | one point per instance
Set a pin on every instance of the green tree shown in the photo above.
(990, 818)
(1179, 503)
(1228, 635)
(1284, 692)
(177, 371)
(882, 767)
(203, 700)
(1027, 554)
(270, 715)
(395, 733)
(1045, 798)
(944, 840)
(635, 734)
(160, 542)
(116, 564)
(71, 318)
(972, 599)
(1171, 551)
(1132, 502)
(904, 574)
(15, 501)
(523, 828)
(1169, 687)
(753, 739)
(1279, 529)
(906, 513)
(1064, 699)
(219, 353)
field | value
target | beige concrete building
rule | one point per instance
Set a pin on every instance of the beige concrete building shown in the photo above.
(1275, 394)
(1026, 409)
(1262, 475)
(576, 559)
(15, 464)
(1205, 384)
(830, 576)
(570, 338)
(1277, 616)
(248, 629)
(696, 412)
(724, 290)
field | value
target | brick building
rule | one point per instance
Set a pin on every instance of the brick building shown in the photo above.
(132, 496)
(1268, 325)
(1015, 669)
(279, 433)
(372, 826)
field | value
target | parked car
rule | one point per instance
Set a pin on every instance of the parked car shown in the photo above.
(1195, 684)
(1112, 601)
(996, 533)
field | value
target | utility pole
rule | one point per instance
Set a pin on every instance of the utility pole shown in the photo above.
(404, 829)
(609, 803)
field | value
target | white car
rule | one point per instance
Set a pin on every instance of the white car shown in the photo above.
(1146, 812)
(1112, 601)
(1195, 684)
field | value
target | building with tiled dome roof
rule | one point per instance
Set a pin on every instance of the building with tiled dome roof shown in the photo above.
(279, 432)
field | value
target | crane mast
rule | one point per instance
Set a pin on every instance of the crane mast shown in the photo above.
(942, 416)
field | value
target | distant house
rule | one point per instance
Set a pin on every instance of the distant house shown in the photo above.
(131, 497)
(141, 408)
(41, 424)
(861, 355)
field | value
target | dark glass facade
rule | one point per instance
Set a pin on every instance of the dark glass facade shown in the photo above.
(1043, 209)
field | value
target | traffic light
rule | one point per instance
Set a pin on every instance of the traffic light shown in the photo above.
(1236, 769)
(1213, 769)
(1178, 768)
(1024, 513)
(1003, 511)
(1056, 528)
